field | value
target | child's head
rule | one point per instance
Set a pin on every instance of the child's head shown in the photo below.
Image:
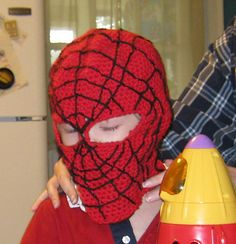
(110, 109)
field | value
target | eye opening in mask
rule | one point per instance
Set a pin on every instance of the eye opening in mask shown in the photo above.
(114, 129)
(68, 134)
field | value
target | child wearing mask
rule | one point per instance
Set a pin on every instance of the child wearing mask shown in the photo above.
(110, 110)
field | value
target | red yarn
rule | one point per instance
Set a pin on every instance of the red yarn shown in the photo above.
(105, 74)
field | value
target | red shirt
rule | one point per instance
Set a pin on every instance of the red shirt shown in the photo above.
(66, 225)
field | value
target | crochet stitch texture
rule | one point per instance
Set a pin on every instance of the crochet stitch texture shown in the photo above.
(100, 75)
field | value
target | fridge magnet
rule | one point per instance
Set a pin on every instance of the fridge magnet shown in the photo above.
(7, 78)
(11, 28)
(19, 11)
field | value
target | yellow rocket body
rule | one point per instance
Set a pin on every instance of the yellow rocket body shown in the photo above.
(197, 191)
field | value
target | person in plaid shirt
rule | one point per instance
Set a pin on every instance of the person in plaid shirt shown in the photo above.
(208, 103)
(206, 106)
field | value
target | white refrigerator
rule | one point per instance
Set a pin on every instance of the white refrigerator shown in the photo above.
(23, 126)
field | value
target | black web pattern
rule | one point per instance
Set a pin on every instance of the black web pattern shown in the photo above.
(84, 150)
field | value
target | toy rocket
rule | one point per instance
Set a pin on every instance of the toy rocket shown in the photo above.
(199, 200)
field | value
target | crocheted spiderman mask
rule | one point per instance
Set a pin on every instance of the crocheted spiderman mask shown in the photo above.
(101, 75)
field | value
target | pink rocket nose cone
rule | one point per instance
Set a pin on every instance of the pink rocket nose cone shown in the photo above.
(201, 142)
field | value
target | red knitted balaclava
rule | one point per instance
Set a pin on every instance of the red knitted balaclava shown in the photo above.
(101, 75)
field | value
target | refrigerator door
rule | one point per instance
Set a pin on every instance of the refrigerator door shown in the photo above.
(23, 144)
(23, 170)
(28, 46)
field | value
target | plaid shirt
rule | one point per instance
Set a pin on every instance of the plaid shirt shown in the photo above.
(208, 103)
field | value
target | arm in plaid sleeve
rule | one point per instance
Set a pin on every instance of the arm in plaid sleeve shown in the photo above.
(208, 103)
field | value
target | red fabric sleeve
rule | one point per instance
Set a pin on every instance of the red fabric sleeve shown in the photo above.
(64, 225)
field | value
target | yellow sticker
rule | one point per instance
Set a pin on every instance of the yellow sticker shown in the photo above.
(7, 78)
(11, 28)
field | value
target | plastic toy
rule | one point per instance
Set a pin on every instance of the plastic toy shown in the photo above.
(199, 200)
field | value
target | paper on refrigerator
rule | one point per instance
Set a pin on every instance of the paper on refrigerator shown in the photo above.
(11, 73)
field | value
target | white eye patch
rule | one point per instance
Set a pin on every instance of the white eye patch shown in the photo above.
(111, 130)
(69, 136)
(114, 129)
